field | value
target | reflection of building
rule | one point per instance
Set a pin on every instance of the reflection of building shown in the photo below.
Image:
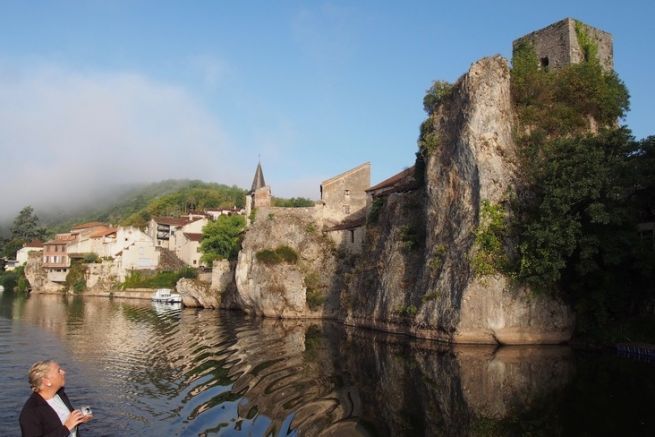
(647, 232)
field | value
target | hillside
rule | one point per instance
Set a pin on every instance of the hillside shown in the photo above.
(136, 204)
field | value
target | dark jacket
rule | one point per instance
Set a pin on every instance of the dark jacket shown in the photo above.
(37, 418)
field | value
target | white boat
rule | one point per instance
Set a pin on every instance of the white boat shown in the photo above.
(2, 288)
(166, 295)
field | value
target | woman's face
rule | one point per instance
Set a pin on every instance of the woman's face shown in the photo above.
(56, 376)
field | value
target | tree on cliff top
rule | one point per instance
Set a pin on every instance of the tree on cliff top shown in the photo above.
(222, 238)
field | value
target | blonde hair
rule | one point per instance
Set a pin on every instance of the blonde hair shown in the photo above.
(37, 372)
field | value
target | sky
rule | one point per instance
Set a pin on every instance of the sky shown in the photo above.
(99, 93)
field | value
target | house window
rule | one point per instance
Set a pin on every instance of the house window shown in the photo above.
(346, 209)
(352, 235)
(346, 193)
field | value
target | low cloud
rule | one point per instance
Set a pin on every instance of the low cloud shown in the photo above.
(67, 134)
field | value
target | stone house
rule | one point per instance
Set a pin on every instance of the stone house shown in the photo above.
(23, 253)
(181, 235)
(188, 247)
(56, 258)
(559, 44)
(345, 194)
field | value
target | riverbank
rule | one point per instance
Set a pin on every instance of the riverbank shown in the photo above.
(129, 293)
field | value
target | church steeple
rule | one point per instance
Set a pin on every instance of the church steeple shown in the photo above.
(258, 181)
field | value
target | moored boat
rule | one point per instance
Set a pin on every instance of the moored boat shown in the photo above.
(166, 295)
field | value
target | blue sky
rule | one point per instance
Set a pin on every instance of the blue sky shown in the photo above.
(100, 92)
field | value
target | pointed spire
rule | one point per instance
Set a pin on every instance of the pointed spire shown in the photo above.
(258, 181)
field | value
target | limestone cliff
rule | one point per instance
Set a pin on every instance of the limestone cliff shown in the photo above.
(415, 273)
(37, 276)
(282, 289)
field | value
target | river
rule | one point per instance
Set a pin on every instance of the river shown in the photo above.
(165, 371)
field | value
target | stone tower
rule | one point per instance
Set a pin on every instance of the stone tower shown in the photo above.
(259, 194)
(563, 43)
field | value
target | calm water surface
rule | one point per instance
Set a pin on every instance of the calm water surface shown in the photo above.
(164, 371)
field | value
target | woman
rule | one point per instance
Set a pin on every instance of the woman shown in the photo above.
(48, 412)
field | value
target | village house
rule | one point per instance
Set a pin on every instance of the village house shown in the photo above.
(345, 194)
(181, 235)
(23, 253)
(56, 260)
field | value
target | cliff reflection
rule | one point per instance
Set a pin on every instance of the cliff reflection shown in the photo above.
(172, 370)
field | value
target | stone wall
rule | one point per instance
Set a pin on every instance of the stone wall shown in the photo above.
(559, 45)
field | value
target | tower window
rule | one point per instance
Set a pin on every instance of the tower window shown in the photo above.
(544, 62)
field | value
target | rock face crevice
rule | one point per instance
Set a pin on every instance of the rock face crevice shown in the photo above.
(414, 274)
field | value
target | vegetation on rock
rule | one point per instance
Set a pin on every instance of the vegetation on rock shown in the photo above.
(150, 279)
(586, 185)
(314, 293)
(76, 277)
(222, 238)
(14, 280)
(294, 202)
(281, 254)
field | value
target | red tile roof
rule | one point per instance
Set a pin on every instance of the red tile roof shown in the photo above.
(192, 236)
(107, 230)
(88, 225)
(34, 243)
(173, 221)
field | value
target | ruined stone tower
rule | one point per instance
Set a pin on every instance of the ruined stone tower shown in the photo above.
(259, 194)
(567, 42)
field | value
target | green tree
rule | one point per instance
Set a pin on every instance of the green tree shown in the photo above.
(222, 238)
(26, 226)
(294, 202)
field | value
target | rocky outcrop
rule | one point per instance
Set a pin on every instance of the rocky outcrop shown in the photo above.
(415, 273)
(37, 276)
(280, 289)
(101, 277)
(197, 294)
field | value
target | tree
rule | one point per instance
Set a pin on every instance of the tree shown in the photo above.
(222, 238)
(26, 226)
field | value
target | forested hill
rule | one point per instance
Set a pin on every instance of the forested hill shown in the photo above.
(135, 205)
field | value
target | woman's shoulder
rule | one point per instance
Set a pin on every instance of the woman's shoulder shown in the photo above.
(33, 401)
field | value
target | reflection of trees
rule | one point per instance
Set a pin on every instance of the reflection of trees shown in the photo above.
(205, 371)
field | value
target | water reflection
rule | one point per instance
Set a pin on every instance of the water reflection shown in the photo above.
(173, 371)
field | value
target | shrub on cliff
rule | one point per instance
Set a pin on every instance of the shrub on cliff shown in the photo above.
(282, 254)
(157, 279)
